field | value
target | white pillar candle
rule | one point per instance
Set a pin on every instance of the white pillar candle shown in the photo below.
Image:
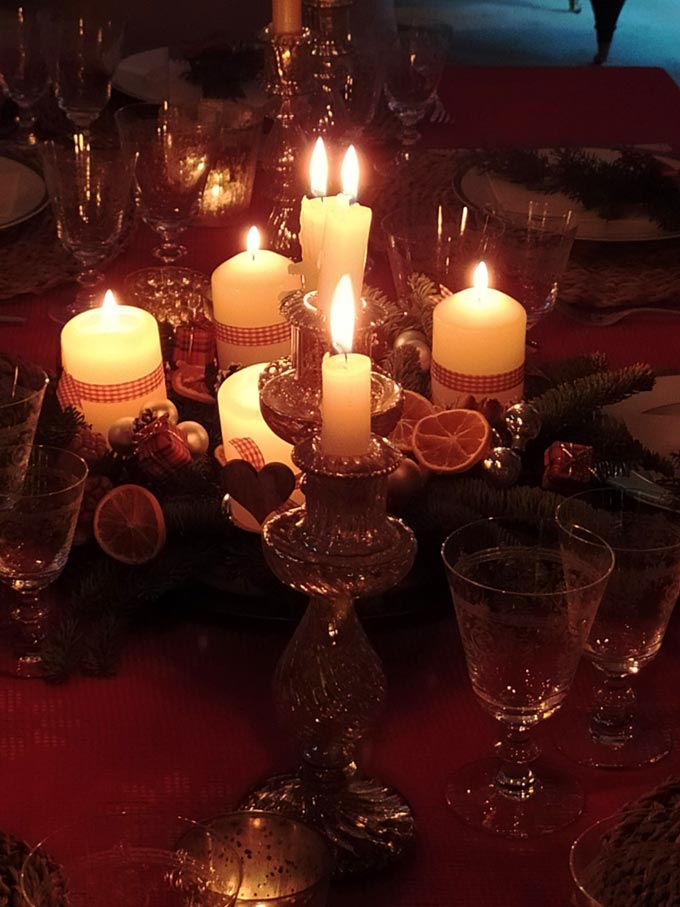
(345, 236)
(112, 361)
(346, 384)
(245, 434)
(313, 214)
(286, 17)
(246, 293)
(478, 345)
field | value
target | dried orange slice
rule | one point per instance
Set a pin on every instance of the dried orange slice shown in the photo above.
(129, 524)
(189, 381)
(415, 408)
(452, 440)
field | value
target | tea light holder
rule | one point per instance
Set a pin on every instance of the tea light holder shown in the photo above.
(329, 685)
(284, 863)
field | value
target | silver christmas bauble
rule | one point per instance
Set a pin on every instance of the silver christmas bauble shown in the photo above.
(121, 435)
(159, 408)
(196, 437)
(502, 467)
(418, 341)
(523, 423)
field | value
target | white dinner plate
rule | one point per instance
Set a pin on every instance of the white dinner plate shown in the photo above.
(653, 417)
(479, 189)
(22, 193)
(153, 76)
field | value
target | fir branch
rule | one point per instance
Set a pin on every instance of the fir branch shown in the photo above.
(403, 364)
(633, 179)
(575, 401)
(571, 369)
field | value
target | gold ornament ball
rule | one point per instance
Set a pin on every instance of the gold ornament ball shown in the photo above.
(418, 341)
(121, 435)
(159, 408)
(196, 437)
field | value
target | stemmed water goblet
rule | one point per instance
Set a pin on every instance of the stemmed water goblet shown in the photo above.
(89, 51)
(525, 598)
(35, 541)
(629, 628)
(22, 389)
(173, 149)
(89, 184)
(533, 257)
(414, 66)
(26, 61)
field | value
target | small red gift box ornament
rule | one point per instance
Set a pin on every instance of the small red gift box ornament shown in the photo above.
(567, 467)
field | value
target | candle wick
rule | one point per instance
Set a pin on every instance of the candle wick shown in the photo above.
(340, 350)
(252, 255)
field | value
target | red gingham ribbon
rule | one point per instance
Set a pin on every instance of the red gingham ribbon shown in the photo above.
(194, 344)
(477, 384)
(249, 451)
(74, 392)
(270, 333)
(67, 393)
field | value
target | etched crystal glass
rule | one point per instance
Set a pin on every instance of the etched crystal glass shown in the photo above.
(629, 628)
(525, 599)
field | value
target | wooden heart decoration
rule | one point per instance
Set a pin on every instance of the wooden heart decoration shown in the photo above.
(258, 492)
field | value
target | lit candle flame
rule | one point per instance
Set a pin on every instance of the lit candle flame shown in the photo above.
(342, 316)
(480, 279)
(318, 170)
(253, 241)
(350, 174)
(109, 309)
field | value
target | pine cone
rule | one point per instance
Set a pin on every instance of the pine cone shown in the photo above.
(95, 489)
(90, 445)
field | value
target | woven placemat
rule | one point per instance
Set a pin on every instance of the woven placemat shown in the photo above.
(600, 275)
(32, 259)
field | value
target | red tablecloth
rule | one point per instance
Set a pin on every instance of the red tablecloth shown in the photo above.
(188, 724)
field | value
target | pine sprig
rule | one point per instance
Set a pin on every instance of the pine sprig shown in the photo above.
(633, 179)
(566, 404)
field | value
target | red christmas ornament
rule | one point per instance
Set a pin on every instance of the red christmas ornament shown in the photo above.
(567, 467)
(162, 449)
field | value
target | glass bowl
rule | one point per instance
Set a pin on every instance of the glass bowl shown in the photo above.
(133, 859)
(583, 851)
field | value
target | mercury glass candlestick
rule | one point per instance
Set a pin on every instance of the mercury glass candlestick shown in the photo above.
(332, 60)
(290, 391)
(289, 81)
(329, 685)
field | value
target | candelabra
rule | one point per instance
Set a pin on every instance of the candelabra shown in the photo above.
(329, 685)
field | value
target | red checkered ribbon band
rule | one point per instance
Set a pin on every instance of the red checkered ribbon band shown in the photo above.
(270, 333)
(249, 451)
(477, 384)
(72, 392)
(194, 344)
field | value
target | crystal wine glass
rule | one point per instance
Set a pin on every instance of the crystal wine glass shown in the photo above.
(415, 64)
(533, 256)
(174, 148)
(90, 185)
(25, 61)
(35, 541)
(89, 50)
(525, 599)
(629, 627)
(132, 858)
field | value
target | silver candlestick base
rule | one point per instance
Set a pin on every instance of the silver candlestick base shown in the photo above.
(329, 685)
